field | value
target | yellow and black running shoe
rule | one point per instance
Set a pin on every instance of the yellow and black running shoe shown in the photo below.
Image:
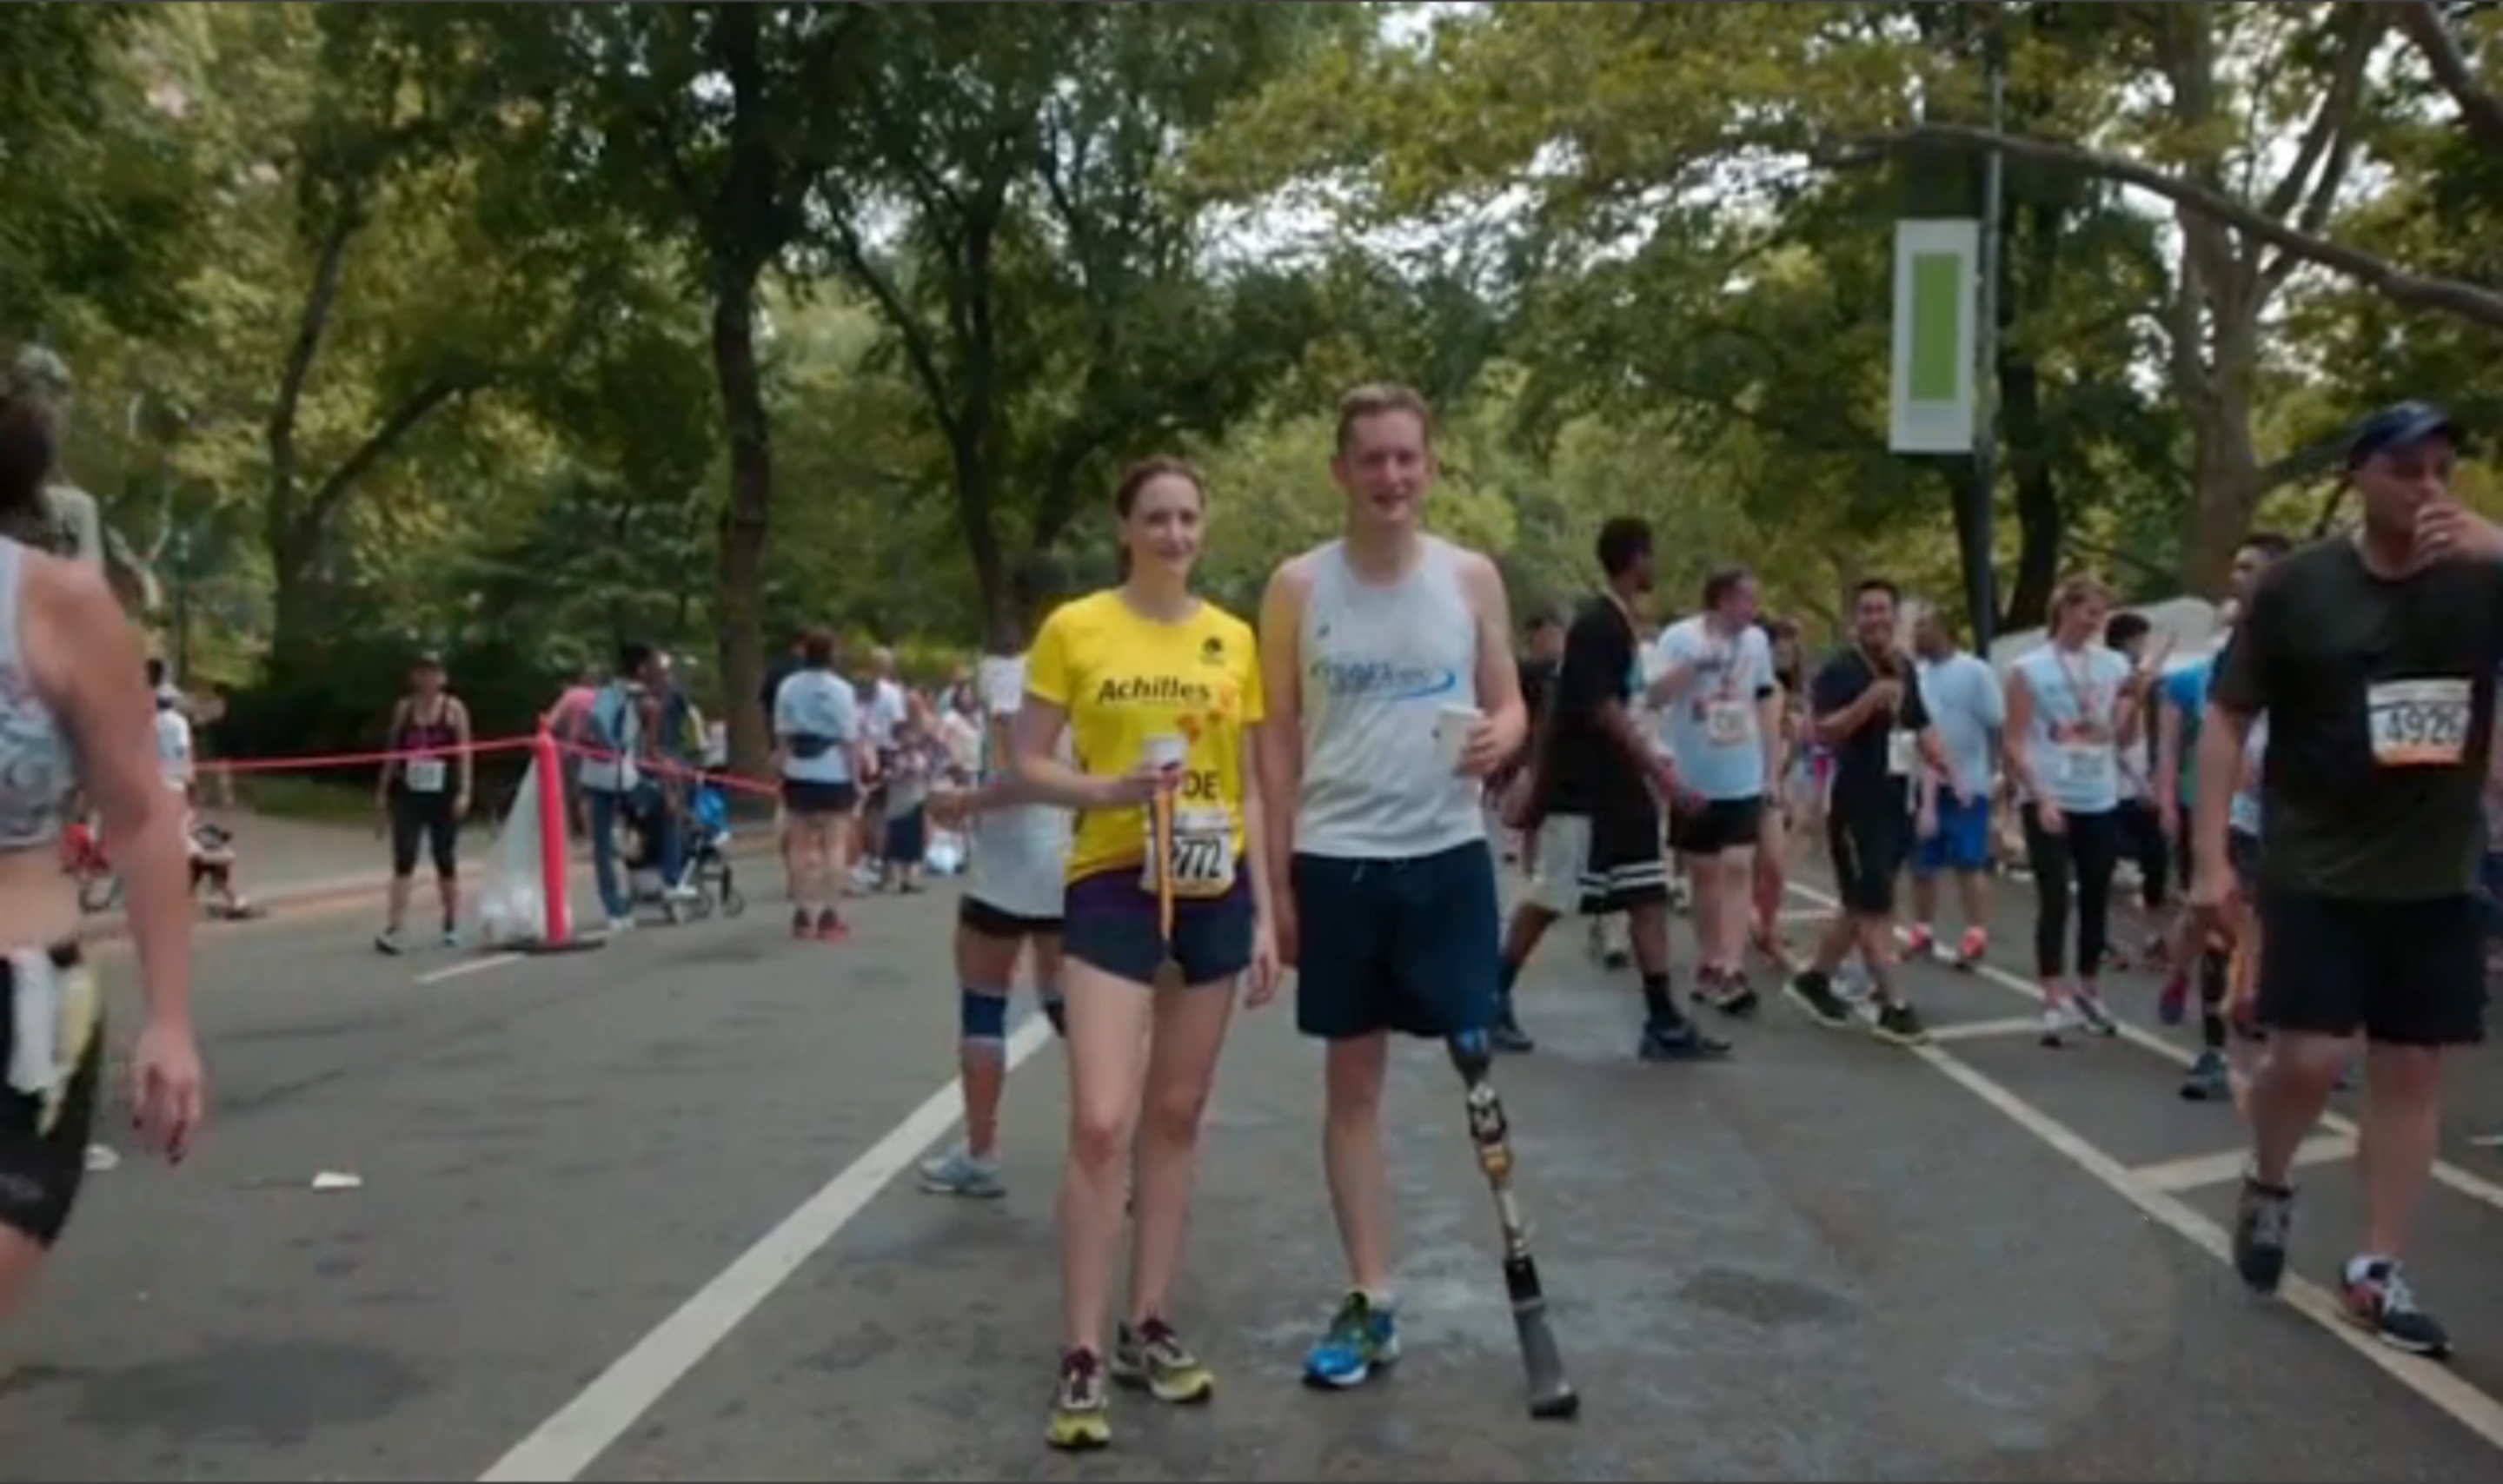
(1154, 1359)
(1080, 1410)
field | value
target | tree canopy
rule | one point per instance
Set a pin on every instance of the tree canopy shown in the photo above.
(522, 330)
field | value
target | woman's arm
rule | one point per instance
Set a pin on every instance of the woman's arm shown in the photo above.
(105, 704)
(468, 760)
(2020, 725)
(1042, 778)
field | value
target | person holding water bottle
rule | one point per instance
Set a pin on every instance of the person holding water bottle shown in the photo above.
(1167, 910)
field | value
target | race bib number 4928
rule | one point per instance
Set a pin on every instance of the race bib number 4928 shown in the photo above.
(2419, 723)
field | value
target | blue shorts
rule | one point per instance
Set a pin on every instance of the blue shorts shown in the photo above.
(1410, 945)
(1963, 840)
(1108, 921)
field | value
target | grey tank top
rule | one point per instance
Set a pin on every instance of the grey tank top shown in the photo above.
(37, 769)
(1381, 660)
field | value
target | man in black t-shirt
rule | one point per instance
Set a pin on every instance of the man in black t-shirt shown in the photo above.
(1593, 789)
(1866, 706)
(2373, 658)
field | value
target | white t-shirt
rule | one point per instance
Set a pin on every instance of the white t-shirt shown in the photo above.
(821, 706)
(173, 748)
(1712, 729)
(1020, 853)
(886, 713)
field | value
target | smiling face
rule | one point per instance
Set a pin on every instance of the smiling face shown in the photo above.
(1384, 465)
(1165, 523)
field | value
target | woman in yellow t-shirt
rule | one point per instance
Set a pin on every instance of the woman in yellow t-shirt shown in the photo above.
(1159, 692)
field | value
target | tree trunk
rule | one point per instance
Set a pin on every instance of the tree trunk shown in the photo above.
(744, 519)
(2226, 482)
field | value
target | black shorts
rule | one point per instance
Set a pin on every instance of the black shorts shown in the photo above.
(807, 799)
(2243, 853)
(1110, 923)
(974, 915)
(43, 1140)
(1866, 843)
(1717, 825)
(2403, 973)
(1407, 945)
(424, 820)
(1606, 861)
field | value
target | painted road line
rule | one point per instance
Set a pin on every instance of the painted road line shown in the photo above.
(2475, 1187)
(470, 966)
(2465, 1405)
(2199, 1170)
(558, 1449)
(1984, 1030)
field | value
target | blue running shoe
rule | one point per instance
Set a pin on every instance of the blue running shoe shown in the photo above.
(1362, 1337)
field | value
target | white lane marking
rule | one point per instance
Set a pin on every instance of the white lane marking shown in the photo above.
(2462, 1402)
(2199, 1170)
(558, 1450)
(1984, 1030)
(2467, 1183)
(468, 966)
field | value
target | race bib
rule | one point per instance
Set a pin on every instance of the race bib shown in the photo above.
(1728, 723)
(424, 775)
(1901, 752)
(2419, 723)
(2085, 765)
(1202, 863)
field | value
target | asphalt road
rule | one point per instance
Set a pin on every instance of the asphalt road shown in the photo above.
(626, 1215)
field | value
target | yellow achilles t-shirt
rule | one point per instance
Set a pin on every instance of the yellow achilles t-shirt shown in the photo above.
(1123, 679)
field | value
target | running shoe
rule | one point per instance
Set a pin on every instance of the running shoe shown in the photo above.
(1679, 1040)
(1899, 1023)
(1080, 1409)
(1362, 1337)
(1814, 993)
(1154, 1359)
(958, 1173)
(2263, 1225)
(2376, 1297)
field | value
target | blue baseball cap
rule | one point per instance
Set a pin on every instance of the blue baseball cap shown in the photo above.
(2396, 428)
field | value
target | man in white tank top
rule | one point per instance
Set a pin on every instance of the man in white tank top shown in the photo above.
(1393, 694)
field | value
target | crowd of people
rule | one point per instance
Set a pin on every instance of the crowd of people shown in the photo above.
(1168, 806)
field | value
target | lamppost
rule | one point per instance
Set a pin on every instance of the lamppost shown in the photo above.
(1980, 561)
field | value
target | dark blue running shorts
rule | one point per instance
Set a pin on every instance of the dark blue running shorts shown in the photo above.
(1410, 945)
(1108, 921)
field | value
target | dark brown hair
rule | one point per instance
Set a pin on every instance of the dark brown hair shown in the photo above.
(817, 649)
(25, 456)
(1374, 401)
(1125, 494)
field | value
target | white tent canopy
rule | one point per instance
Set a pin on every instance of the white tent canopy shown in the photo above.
(2188, 627)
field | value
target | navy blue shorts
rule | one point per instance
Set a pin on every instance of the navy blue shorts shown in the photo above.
(1963, 841)
(1107, 922)
(1397, 945)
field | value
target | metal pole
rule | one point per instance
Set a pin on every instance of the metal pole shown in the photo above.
(1981, 585)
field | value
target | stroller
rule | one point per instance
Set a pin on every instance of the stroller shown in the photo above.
(705, 870)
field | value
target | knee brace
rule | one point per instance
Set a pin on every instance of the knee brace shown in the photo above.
(983, 1018)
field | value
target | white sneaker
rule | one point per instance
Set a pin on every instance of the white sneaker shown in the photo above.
(618, 925)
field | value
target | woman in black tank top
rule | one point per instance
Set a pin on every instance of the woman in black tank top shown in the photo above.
(425, 794)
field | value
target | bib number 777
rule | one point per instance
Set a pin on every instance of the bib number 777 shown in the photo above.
(1202, 863)
(2419, 723)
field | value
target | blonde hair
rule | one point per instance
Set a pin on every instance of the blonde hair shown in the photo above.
(2080, 588)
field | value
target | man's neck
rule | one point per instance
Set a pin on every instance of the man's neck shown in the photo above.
(2385, 555)
(1382, 555)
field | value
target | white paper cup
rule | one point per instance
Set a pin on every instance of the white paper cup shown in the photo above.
(1165, 751)
(1452, 726)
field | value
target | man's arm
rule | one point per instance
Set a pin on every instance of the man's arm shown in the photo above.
(2238, 693)
(1279, 744)
(1834, 721)
(1498, 673)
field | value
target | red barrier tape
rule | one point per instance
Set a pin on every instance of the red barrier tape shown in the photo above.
(656, 768)
(355, 759)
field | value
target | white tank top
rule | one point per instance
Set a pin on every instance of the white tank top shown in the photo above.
(1380, 663)
(36, 768)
